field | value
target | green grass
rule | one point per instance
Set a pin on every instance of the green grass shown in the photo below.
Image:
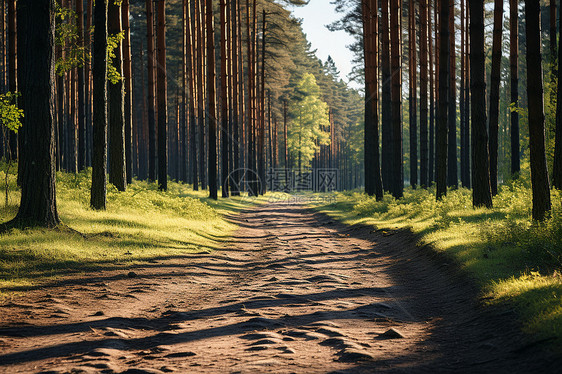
(514, 261)
(139, 225)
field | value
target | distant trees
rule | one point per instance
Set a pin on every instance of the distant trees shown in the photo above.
(310, 114)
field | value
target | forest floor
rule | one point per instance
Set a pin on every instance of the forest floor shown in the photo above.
(294, 291)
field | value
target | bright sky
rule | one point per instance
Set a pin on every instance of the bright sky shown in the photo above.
(316, 15)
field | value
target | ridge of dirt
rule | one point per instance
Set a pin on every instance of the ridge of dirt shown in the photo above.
(293, 292)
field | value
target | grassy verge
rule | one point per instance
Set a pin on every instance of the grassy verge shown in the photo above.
(139, 225)
(515, 262)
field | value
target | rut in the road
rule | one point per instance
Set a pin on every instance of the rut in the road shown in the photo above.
(294, 291)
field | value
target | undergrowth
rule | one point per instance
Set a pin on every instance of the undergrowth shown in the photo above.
(515, 261)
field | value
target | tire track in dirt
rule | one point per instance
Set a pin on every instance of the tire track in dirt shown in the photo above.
(293, 292)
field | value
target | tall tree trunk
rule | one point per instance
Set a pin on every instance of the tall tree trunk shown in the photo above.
(373, 181)
(225, 135)
(99, 97)
(495, 95)
(211, 104)
(117, 171)
(396, 71)
(261, 131)
(557, 166)
(539, 172)
(443, 106)
(151, 91)
(514, 74)
(191, 77)
(162, 98)
(386, 108)
(466, 150)
(235, 104)
(128, 82)
(481, 191)
(452, 169)
(432, 89)
(81, 91)
(12, 72)
(424, 20)
(36, 54)
(413, 96)
(201, 88)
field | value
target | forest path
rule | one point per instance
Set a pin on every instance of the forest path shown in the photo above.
(293, 292)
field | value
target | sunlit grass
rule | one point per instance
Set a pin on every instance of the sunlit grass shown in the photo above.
(514, 261)
(139, 225)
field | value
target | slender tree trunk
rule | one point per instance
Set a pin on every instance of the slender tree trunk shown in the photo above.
(557, 166)
(386, 108)
(261, 129)
(151, 91)
(396, 71)
(481, 192)
(224, 101)
(191, 77)
(36, 53)
(467, 177)
(452, 169)
(539, 172)
(442, 116)
(99, 97)
(495, 95)
(128, 82)
(117, 171)
(413, 96)
(211, 104)
(514, 73)
(162, 98)
(12, 70)
(432, 89)
(201, 88)
(235, 93)
(81, 91)
(373, 181)
(424, 175)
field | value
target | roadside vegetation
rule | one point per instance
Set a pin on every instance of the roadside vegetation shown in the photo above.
(515, 261)
(139, 226)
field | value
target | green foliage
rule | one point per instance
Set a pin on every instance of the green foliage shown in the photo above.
(139, 225)
(310, 117)
(112, 43)
(67, 38)
(515, 261)
(10, 114)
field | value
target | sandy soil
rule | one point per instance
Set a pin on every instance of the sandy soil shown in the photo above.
(294, 292)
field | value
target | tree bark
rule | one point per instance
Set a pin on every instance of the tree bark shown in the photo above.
(36, 54)
(151, 91)
(117, 171)
(99, 97)
(495, 94)
(452, 169)
(557, 166)
(12, 70)
(443, 106)
(162, 98)
(539, 172)
(396, 71)
(424, 175)
(211, 103)
(386, 108)
(481, 191)
(413, 96)
(373, 181)
(81, 91)
(514, 75)
(128, 87)
(225, 135)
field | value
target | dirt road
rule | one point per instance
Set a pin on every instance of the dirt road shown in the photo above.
(294, 292)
